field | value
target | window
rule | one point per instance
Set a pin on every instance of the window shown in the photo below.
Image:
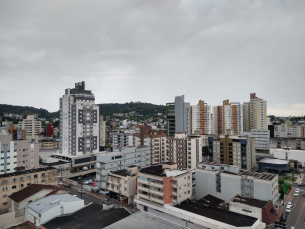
(4, 189)
(5, 203)
(43, 175)
(43, 181)
(35, 176)
(13, 180)
(21, 178)
(28, 184)
(13, 187)
(28, 177)
(21, 186)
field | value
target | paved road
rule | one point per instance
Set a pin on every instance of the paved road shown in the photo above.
(297, 216)
(88, 198)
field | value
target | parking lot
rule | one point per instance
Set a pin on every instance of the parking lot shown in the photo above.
(83, 178)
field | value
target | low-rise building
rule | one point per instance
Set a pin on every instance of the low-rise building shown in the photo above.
(120, 159)
(261, 209)
(120, 140)
(123, 184)
(225, 181)
(284, 142)
(273, 165)
(164, 184)
(289, 154)
(13, 182)
(32, 127)
(49, 144)
(45, 209)
(261, 138)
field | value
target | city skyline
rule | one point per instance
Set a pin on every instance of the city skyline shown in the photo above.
(152, 51)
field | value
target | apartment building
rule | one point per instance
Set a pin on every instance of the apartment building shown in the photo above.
(201, 118)
(120, 140)
(120, 159)
(13, 182)
(122, 184)
(288, 130)
(261, 138)
(17, 134)
(258, 112)
(178, 116)
(164, 184)
(79, 122)
(184, 150)
(217, 120)
(102, 132)
(292, 143)
(31, 126)
(233, 150)
(155, 139)
(44, 144)
(17, 153)
(226, 181)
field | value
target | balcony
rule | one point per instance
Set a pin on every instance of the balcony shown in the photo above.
(143, 182)
(156, 192)
(144, 196)
(159, 201)
(174, 185)
(156, 185)
(143, 189)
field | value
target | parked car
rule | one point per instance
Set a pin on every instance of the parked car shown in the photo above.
(81, 191)
(75, 195)
(288, 209)
(289, 204)
(85, 182)
(296, 193)
(79, 178)
(60, 183)
(105, 200)
(301, 183)
(90, 181)
(283, 217)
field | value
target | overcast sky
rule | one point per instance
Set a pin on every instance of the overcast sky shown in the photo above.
(151, 51)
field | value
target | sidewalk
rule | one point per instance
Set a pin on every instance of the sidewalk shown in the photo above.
(282, 208)
(300, 178)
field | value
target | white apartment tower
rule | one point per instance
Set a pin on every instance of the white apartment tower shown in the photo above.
(32, 127)
(201, 118)
(79, 122)
(102, 131)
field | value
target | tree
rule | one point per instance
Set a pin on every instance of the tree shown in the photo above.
(282, 193)
(40, 160)
(272, 118)
(295, 164)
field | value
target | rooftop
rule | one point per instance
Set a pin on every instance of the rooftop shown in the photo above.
(26, 172)
(224, 216)
(49, 202)
(142, 219)
(274, 161)
(211, 200)
(31, 190)
(92, 216)
(54, 163)
(122, 172)
(158, 171)
(249, 201)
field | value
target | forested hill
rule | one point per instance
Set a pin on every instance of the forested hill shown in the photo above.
(105, 109)
(140, 108)
(25, 110)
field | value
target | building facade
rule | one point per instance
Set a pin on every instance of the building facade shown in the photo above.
(120, 159)
(292, 143)
(225, 181)
(102, 132)
(13, 182)
(201, 118)
(233, 150)
(184, 150)
(79, 122)
(164, 184)
(31, 126)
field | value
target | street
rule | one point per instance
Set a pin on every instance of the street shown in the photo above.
(297, 215)
(88, 198)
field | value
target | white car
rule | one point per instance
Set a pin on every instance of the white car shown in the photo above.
(60, 183)
(81, 191)
(288, 209)
(296, 193)
(86, 182)
(301, 183)
(289, 205)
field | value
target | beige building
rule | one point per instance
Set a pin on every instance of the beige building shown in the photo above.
(32, 127)
(13, 182)
(164, 184)
(102, 130)
(124, 183)
(49, 145)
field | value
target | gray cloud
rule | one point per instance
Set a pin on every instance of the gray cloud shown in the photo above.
(151, 51)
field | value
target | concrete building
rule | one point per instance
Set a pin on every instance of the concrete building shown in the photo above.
(184, 150)
(274, 165)
(260, 209)
(155, 139)
(217, 120)
(79, 122)
(120, 159)
(258, 113)
(288, 154)
(195, 215)
(201, 118)
(32, 127)
(232, 117)
(120, 140)
(225, 181)
(102, 132)
(261, 138)
(45, 144)
(292, 143)
(233, 150)
(170, 119)
(13, 182)
(47, 208)
(32, 193)
(17, 153)
(122, 184)
(17, 134)
(164, 184)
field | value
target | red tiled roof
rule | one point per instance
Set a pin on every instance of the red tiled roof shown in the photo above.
(31, 190)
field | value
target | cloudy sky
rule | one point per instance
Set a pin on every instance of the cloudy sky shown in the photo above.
(151, 51)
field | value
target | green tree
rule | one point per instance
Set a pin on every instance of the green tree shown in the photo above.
(40, 160)
(282, 193)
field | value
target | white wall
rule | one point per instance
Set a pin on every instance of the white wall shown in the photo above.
(239, 208)
(298, 155)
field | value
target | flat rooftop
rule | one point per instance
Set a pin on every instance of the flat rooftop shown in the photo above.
(274, 161)
(46, 203)
(26, 172)
(157, 170)
(221, 215)
(122, 172)
(249, 201)
(142, 219)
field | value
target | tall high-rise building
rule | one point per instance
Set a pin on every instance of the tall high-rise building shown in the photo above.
(232, 117)
(79, 122)
(32, 127)
(217, 120)
(102, 131)
(201, 118)
(170, 119)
